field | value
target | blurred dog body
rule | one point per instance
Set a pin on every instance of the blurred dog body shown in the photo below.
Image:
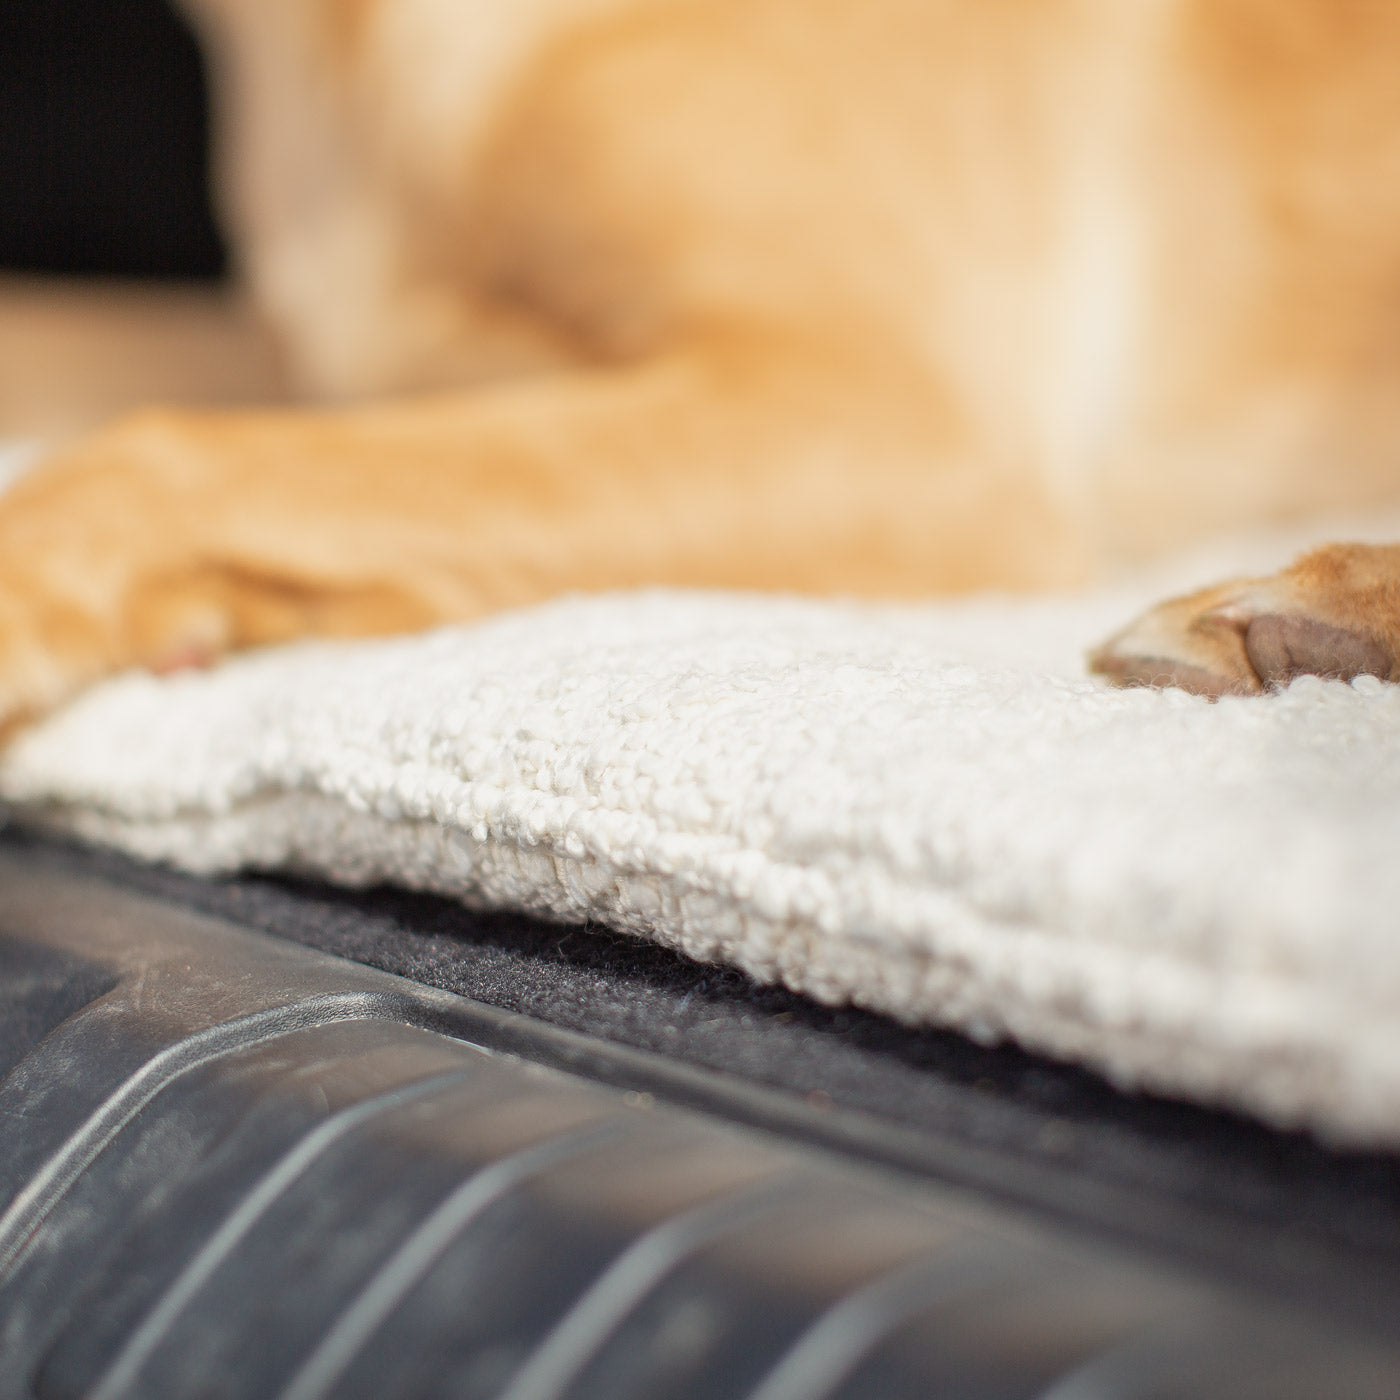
(893, 297)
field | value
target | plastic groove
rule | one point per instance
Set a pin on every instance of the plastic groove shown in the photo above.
(1112, 1376)
(412, 1261)
(126, 1366)
(836, 1343)
(625, 1283)
(47, 1187)
(1132, 1368)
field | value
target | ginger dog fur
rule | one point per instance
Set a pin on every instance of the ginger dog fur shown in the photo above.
(895, 297)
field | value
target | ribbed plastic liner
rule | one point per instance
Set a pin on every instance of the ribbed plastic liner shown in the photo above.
(231, 1166)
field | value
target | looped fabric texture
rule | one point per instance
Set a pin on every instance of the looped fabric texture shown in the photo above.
(926, 810)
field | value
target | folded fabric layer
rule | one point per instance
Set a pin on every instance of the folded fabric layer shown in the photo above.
(928, 811)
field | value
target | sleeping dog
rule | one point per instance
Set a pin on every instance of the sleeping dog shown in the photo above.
(890, 297)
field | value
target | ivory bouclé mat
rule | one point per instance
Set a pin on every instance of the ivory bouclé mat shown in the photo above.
(926, 810)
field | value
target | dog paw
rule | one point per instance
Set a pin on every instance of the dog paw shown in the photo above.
(1334, 613)
(79, 534)
(48, 650)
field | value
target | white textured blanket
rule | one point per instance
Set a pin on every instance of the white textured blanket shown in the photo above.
(929, 810)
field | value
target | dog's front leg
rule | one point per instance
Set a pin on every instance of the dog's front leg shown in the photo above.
(174, 537)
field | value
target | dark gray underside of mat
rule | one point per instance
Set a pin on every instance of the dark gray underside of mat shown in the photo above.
(560, 1163)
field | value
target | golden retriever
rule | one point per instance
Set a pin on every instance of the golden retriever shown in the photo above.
(890, 297)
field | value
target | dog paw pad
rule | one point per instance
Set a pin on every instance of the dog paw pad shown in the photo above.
(1280, 647)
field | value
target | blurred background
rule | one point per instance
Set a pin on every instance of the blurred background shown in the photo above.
(115, 285)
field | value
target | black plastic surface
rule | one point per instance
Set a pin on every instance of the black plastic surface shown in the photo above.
(233, 1166)
(1273, 1210)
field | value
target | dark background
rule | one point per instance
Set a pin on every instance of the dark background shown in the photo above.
(103, 137)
